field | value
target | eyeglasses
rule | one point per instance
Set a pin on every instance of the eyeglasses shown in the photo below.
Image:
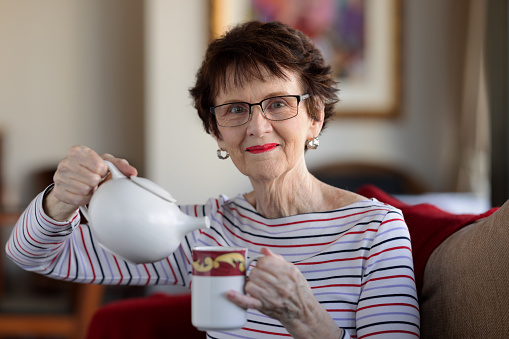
(277, 108)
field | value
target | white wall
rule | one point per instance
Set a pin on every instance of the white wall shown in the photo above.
(72, 72)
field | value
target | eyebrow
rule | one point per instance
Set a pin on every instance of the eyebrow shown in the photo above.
(270, 95)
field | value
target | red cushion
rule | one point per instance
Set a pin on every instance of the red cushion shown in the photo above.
(157, 316)
(428, 226)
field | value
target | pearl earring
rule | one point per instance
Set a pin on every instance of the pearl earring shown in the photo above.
(313, 143)
(221, 156)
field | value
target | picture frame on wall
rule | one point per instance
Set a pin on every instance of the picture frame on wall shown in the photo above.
(359, 38)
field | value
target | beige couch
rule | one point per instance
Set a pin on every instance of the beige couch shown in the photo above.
(462, 269)
(465, 290)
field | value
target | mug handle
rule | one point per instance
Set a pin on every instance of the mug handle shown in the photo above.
(250, 261)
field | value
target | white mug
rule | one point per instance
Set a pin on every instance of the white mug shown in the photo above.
(217, 270)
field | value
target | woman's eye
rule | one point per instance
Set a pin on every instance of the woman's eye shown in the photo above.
(277, 105)
(237, 109)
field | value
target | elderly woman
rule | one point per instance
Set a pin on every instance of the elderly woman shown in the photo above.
(335, 264)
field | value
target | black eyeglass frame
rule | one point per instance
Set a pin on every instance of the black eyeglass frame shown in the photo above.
(299, 99)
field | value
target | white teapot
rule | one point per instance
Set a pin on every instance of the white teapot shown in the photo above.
(136, 219)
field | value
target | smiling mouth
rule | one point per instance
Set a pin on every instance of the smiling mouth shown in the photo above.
(261, 148)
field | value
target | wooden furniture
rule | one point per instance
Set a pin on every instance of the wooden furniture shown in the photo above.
(86, 299)
(72, 325)
(6, 219)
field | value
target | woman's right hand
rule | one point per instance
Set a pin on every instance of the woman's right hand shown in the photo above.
(76, 179)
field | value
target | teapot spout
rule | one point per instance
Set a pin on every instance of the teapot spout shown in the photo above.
(190, 224)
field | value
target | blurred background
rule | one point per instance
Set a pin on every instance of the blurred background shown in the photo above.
(114, 75)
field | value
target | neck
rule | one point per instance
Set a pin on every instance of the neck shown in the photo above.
(294, 192)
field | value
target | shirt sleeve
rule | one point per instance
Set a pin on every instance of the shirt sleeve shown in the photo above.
(68, 251)
(388, 306)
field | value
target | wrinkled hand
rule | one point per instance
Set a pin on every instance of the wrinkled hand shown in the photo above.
(276, 288)
(76, 179)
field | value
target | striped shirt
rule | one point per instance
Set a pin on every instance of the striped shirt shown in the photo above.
(357, 260)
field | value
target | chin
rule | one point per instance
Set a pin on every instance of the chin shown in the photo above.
(265, 173)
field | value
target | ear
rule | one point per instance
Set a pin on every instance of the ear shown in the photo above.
(316, 125)
(219, 140)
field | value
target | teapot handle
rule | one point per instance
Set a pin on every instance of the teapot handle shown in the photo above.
(115, 173)
(84, 211)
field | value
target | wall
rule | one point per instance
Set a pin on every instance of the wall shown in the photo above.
(71, 72)
(114, 75)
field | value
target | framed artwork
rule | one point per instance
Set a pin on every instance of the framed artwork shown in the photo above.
(360, 39)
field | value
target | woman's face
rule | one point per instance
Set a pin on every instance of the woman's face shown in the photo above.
(264, 149)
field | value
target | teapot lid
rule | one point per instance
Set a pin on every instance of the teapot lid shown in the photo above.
(153, 188)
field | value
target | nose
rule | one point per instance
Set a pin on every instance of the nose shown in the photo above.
(258, 124)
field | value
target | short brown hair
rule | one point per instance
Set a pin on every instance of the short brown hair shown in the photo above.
(251, 47)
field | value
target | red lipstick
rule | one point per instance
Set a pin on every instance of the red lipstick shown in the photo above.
(261, 148)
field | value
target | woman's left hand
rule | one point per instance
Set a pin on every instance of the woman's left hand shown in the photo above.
(278, 289)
